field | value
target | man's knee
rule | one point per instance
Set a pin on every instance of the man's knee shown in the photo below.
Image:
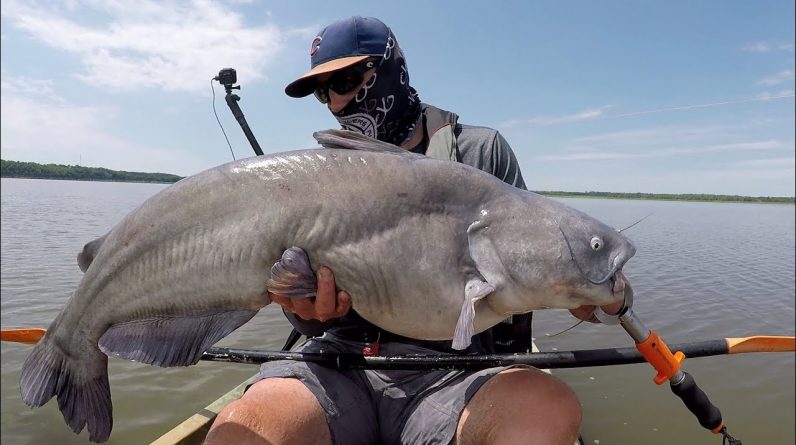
(272, 411)
(521, 406)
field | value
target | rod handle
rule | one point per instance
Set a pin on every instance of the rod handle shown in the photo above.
(698, 403)
(657, 354)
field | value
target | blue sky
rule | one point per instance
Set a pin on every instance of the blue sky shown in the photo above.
(622, 96)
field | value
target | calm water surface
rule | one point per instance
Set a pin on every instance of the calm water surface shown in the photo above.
(702, 271)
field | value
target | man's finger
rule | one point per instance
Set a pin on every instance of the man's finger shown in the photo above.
(343, 303)
(285, 302)
(326, 299)
(305, 308)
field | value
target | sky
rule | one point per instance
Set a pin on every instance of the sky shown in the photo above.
(616, 96)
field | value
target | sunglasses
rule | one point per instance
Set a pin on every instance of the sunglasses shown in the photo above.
(345, 80)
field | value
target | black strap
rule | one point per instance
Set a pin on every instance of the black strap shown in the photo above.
(291, 340)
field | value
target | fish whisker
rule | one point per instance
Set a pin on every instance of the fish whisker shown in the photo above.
(642, 219)
(567, 329)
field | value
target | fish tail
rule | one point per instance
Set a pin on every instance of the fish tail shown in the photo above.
(82, 387)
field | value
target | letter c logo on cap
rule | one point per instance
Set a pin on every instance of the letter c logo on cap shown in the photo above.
(316, 42)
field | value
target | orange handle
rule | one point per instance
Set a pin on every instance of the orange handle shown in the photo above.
(657, 353)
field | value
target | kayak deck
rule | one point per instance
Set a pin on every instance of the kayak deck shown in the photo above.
(193, 430)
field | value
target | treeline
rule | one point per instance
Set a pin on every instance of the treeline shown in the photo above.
(15, 169)
(675, 197)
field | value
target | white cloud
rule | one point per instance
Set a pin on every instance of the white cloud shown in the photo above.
(26, 86)
(47, 129)
(778, 78)
(780, 163)
(546, 121)
(593, 155)
(150, 43)
(757, 47)
(767, 47)
(599, 113)
(768, 95)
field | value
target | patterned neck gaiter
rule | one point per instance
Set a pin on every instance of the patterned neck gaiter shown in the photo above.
(386, 107)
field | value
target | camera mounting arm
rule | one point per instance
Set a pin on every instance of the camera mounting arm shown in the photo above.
(228, 77)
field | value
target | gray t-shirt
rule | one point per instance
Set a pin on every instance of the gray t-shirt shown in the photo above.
(487, 150)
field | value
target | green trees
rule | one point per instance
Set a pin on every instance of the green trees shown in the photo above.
(14, 169)
(674, 197)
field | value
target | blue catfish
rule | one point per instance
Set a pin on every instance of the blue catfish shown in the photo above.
(426, 248)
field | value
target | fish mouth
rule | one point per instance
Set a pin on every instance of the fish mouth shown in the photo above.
(621, 288)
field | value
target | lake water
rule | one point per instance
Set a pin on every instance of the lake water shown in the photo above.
(702, 271)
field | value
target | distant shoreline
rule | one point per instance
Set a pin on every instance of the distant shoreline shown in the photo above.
(32, 170)
(685, 197)
(131, 181)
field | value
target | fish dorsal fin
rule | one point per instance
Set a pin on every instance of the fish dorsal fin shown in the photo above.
(86, 256)
(352, 140)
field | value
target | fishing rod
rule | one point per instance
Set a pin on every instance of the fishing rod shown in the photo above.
(658, 354)
(545, 360)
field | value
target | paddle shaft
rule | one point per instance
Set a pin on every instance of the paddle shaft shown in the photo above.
(548, 360)
(544, 360)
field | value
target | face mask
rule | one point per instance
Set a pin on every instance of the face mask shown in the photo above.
(386, 107)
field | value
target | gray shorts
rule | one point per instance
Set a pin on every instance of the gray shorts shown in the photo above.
(384, 406)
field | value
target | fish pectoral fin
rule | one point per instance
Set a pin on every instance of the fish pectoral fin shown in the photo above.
(474, 290)
(292, 275)
(170, 340)
(86, 256)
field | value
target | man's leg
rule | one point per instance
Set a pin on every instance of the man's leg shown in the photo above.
(273, 411)
(520, 406)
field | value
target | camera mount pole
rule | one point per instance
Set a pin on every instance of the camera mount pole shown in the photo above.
(227, 77)
(232, 101)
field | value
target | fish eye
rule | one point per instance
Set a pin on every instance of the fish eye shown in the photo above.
(596, 243)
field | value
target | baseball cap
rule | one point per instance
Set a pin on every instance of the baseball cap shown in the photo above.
(344, 43)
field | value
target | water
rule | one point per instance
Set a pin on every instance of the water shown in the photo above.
(702, 271)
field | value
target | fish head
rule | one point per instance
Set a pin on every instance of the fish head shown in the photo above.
(545, 254)
(593, 257)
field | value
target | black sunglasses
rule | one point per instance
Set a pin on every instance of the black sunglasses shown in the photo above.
(345, 80)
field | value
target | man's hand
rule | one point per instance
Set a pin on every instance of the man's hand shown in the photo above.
(586, 313)
(328, 304)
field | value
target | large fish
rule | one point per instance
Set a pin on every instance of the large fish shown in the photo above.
(426, 248)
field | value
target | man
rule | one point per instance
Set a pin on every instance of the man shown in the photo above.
(359, 72)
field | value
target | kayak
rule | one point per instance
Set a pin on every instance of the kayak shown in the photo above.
(192, 431)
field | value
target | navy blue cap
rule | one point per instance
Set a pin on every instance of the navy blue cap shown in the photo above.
(344, 43)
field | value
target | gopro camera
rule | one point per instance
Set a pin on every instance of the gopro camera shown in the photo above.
(227, 77)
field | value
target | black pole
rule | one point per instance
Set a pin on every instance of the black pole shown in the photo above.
(544, 360)
(228, 77)
(232, 101)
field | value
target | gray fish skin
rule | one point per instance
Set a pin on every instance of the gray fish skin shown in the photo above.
(414, 241)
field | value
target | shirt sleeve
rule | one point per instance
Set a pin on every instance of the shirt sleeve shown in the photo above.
(504, 162)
